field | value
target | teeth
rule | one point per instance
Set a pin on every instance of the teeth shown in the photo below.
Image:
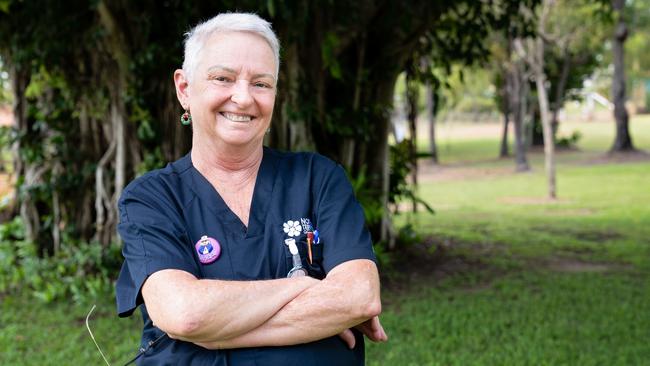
(236, 117)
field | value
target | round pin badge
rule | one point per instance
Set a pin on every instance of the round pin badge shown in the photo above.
(208, 249)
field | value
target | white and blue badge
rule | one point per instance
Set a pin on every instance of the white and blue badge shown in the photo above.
(208, 249)
(306, 225)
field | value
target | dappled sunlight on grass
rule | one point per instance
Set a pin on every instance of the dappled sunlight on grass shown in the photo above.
(545, 282)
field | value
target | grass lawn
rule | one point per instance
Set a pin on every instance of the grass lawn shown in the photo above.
(55, 334)
(526, 280)
(505, 277)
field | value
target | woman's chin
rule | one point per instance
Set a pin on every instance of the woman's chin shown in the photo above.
(241, 140)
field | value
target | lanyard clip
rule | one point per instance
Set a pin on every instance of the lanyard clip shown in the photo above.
(298, 270)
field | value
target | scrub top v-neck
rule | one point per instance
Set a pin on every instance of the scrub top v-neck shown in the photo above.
(165, 215)
(259, 203)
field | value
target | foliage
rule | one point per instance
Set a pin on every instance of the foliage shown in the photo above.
(6, 98)
(98, 114)
(581, 35)
(468, 89)
(372, 209)
(5, 153)
(637, 61)
(568, 141)
(80, 272)
(400, 169)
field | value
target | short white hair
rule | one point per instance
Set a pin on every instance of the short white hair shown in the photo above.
(227, 22)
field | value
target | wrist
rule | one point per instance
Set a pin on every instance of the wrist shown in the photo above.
(306, 281)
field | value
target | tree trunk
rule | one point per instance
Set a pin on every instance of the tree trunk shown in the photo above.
(623, 140)
(432, 108)
(533, 54)
(20, 78)
(503, 151)
(412, 96)
(30, 173)
(516, 81)
(106, 201)
(559, 90)
(377, 148)
(549, 144)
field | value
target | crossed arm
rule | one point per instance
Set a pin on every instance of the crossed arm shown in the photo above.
(234, 314)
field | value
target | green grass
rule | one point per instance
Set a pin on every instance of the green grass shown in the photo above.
(543, 283)
(465, 144)
(55, 334)
(516, 307)
(600, 207)
(530, 318)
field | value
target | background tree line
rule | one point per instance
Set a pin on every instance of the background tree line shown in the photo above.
(94, 103)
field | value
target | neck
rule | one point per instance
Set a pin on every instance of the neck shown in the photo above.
(212, 158)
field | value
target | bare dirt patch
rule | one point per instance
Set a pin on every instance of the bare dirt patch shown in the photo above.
(572, 212)
(428, 172)
(533, 201)
(435, 259)
(572, 265)
(635, 156)
(591, 235)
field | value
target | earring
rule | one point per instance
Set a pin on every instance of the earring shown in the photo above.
(186, 118)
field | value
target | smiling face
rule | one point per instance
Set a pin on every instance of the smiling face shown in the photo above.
(232, 93)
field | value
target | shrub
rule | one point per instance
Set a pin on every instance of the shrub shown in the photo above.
(81, 271)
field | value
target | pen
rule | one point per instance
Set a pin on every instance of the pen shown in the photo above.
(310, 239)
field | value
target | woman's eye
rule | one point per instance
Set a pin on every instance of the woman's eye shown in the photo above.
(262, 85)
(222, 79)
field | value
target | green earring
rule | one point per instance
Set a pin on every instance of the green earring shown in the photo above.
(186, 118)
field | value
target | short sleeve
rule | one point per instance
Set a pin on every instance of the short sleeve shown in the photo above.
(153, 239)
(341, 222)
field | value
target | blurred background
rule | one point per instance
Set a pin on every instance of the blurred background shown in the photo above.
(499, 149)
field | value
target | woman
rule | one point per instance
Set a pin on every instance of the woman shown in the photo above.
(209, 240)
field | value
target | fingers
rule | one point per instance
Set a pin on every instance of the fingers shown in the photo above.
(378, 330)
(381, 333)
(348, 337)
(373, 329)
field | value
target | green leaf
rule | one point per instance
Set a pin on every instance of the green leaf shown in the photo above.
(270, 6)
(4, 6)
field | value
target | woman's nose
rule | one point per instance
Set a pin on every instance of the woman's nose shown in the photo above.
(241, 94)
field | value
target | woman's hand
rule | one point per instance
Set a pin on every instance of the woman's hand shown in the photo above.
(371, 328)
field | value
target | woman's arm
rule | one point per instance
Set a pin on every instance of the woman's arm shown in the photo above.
(347, 297)
(191, 309)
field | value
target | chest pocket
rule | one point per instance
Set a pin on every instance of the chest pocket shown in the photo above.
(315, 268)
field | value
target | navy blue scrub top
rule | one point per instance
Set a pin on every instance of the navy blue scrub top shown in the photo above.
(166, 212)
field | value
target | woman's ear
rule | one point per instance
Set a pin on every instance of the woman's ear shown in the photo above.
(182, 88)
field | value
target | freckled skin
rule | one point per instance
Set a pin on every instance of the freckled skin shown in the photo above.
(230, 78)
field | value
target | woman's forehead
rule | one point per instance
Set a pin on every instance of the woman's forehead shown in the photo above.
(230, 51)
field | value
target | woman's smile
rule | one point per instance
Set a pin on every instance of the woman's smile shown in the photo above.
(236, 117)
